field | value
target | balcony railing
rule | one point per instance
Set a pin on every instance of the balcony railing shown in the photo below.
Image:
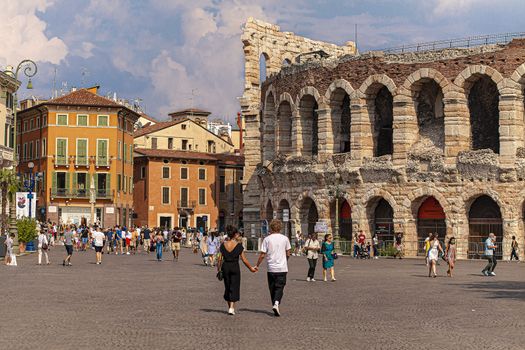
(60, 192)
(81, 160)
(79, 193)
(185, 204)
(61, 159)
(103, 194)
(102, 161)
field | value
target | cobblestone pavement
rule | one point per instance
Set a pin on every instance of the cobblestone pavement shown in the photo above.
(134, 302)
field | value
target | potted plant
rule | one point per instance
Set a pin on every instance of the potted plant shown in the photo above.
(26, 231)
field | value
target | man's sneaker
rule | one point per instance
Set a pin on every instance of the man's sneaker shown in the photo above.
(127, 253)
(275, 309)
(308, 279)
(312, 280)
(231, 311)
(484, 273)
(492, 274)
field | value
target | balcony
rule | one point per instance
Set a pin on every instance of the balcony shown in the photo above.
(185, 204)
(102, 161)
(81, 161)
(61, 159)
(104, 194)
(79, 193)
(60, 192)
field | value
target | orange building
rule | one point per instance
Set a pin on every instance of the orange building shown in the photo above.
(76, 142)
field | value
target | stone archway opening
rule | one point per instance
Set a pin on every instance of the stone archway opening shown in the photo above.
(484, 217)
(264, 60)
(341, 120)
(430, 111)
(269, 211)
(308, 127)
(483, 104)
(345, 219)
(309, 216)
(380, 105)
(382, 220)
(284, 125)
(268, 134)
(284, 213)
(430, 219)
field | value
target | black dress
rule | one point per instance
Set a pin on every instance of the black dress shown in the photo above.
(231, 272)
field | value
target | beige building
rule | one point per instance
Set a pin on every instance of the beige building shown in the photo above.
(393, 142)
(8, 86)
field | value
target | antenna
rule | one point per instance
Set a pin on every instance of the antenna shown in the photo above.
(355, 36)
(54, 93)
(193, 94)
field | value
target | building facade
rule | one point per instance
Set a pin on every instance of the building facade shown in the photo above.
(8, 86)
(82, 145)
(395, 143)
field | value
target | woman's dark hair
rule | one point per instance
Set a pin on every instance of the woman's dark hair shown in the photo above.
(513, 237)
(231, 231)
(451, 239)
(326, 236)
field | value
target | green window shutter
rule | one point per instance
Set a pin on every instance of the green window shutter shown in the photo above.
(125, 152)
(75, 180)
(54, 180)
(96, 181)
(88, 182)
(67, 180)
(108, 183)
(131, 184)
(131, 154)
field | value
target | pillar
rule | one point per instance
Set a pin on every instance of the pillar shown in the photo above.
(510, 126)
(405, 131)
(457, 127)
(361, 138)
(326, 132)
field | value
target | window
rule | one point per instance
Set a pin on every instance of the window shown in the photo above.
(62, 119)
(119, 151)
(183, 197)
(183, 126)
(154, 143)
(124, 183)
(125, 155)
(24, 154)
(102, 120)
(31, 124)
(222, 183)
(131, 184)
(131, 154)
(184, 173)
(170, 142)
(102, 152)
(202, 174)
(142, 172)
(165, 172)
(44, 149)
(202, 196)
(82, 152)
(31, 150)
(9, 100)
(82, 120)
(38, 122)
(184, 144)
(61, 151)
(119, 182)
(37, 144)
(165, 195)
(18, 150)
(25, 126)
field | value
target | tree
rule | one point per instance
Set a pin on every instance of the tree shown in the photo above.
(9, 185)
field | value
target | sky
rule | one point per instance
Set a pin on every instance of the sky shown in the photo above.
(174, 54)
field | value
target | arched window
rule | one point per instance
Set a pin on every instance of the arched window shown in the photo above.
(483, 103)
(284, 125)
(341, 120)
(308, 127)
(263, 67)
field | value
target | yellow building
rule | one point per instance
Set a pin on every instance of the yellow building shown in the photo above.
(82, 145)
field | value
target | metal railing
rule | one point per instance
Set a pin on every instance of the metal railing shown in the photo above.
(185, 204)
(60, 192)
(102, 161)
(81, 160)
(61, 159)
(80, 193)
(102, 193)
(467, 42)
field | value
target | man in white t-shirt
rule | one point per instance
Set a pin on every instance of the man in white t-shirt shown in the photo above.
(99, 237)
(276, 248)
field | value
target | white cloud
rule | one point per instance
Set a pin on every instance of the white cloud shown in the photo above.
(22, 33)
(453, 7)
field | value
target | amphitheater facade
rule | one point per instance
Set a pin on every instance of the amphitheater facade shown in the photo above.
(407, 143)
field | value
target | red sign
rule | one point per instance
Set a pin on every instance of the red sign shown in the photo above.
(431, 209)
(346, 211)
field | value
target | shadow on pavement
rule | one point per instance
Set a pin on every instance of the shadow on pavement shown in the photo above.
(214, 311)
(268, 313)
(500, 289)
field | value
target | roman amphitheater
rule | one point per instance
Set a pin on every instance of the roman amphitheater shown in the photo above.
(404, 142)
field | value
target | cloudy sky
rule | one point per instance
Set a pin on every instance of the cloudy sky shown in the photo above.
(161, 50)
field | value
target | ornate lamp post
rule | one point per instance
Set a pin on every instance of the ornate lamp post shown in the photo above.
(29, 68)
(336, 192)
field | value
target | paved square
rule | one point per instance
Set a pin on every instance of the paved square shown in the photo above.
(133, 302)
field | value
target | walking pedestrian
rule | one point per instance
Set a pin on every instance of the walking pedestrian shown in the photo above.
(120, 240)
(203, 246)
(514, 247)
(398, 246)
(427, 246)
(43, 246)
(176, 239)
(450, 254)
(312, 248)
(433, 255)
(109, 240)
(213, 247)
(356, 247)
(159, 241)
(375, 244)
(127, 234)
(69, 237)
(9, 240)
(228, 265)
(276, 249)
(99, 238)
(490, 247)
(329, 256)
(146, 238)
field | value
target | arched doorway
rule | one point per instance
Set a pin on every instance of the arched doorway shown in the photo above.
(308, 130)
(430, 219)
(345, 221)
(309, 216)
(484, 218)
(284, 215)
(383, 225)
(269, 211)
(383, 122)
(430, 108)
(284, 125)
(341, 120)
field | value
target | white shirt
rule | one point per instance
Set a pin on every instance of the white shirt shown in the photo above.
(275, 246)
(312, 243)
(41, 240)
(128, 234)
(99, 238)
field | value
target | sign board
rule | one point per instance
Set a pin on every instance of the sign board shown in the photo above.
(22, 205)
(275, 214)
(286, 215)
(110, 210)
(321, 227)
(52, 209)
(252, 230)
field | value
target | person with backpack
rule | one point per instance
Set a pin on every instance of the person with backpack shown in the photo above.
(312, 248)
(43, 246)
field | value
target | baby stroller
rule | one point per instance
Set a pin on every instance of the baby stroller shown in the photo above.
(363, 252)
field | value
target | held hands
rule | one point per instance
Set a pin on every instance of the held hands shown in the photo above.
(254, 269)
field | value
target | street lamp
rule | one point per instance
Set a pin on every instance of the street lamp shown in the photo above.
(337, 193)
(30, 186)
(29, 68)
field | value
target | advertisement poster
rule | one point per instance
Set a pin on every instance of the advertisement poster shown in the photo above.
(22, 205)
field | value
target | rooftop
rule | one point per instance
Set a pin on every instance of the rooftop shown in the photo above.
(156, 127)
(224, 158)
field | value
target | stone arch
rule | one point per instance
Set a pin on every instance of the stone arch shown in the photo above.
(369, 86)
(284, 128)
(380, 214)
(284, 204)
(268, 210)
(286, 97)
(264, 66)
(345, 218)
(307, 130)
(309, 214)
(417, 197)
(470, 196)
(484, 217)
(464, 80)
(338, 97)
(268, 127)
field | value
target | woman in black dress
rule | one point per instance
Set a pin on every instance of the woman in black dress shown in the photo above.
(228, 263)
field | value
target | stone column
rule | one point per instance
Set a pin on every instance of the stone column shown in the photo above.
(510, 126)
(510, 228)
(405, 131)
(326, 134)
(457, 127)
(297, 134)
(361, 142)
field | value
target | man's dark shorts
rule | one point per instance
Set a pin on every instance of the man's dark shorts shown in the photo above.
(69, 249)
